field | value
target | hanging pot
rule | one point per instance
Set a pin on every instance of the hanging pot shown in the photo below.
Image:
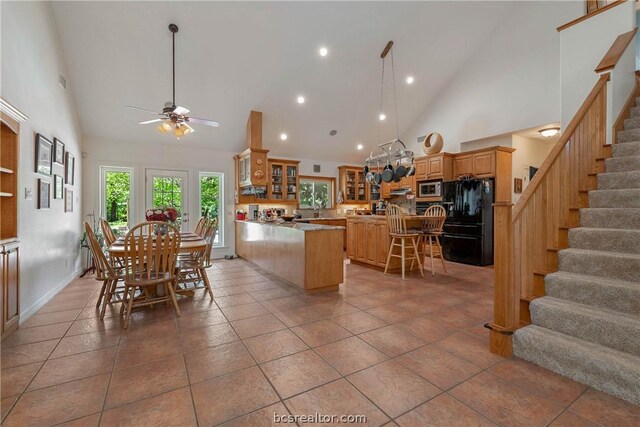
(412, 169)
(401, 171)
(369, 177)
(365, 170)
(396, 178)
(387, 174)
(377, 177)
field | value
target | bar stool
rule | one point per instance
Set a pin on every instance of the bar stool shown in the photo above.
(399, 238)
(433, 222)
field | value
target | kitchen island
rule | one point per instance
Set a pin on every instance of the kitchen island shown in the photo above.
(309, 256)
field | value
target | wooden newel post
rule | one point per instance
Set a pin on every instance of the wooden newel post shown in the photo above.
(505, 294)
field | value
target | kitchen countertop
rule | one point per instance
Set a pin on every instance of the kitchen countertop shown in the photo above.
(302, 226)
(323, 218)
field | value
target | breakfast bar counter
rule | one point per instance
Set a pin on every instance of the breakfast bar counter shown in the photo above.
(309, 256)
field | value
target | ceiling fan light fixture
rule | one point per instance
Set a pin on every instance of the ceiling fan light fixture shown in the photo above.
(164, 127)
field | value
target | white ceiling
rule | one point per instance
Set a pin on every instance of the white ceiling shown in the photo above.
(233, 57)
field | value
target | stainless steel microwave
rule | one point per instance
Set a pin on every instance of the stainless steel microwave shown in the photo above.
(430, 189)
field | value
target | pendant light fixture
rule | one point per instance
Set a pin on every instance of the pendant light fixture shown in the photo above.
(393, 151)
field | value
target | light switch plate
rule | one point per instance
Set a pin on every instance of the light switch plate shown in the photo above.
(28, 193)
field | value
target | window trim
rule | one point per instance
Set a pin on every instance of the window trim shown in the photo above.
(104, 169)
(330, 179)
(221, 206)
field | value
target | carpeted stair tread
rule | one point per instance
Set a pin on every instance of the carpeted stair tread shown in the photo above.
(629, 135)
(603, 368)
(611, 294)
(624, 198)
(622, 164)
(620, 218)
(619, 331)
(605, 239)
(632, 123)
(618, 180)
(614, 265)
(626, 149)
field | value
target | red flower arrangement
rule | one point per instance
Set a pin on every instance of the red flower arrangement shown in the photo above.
(165, 214)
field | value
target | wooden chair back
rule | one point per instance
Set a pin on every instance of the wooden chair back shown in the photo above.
(396, 220)
(200, 225)
(107, 232)
(434, 219)
(150, 256)
(104, 270)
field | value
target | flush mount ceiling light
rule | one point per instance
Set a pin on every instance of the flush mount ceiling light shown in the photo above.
(301, 99)
(283, 136)
(360, 146)
(409, 80)
(550, 131)
(173, 117)
(323, 51)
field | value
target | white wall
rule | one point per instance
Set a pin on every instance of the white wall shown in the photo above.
(503, 140)
(31, 60)
(529, 152)
(582, 47)
(511, 83)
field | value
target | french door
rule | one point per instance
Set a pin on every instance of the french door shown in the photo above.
(168, 188)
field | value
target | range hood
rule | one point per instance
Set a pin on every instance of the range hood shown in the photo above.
(400, 191)
(252, 162)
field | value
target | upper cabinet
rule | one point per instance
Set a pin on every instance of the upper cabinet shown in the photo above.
(283, 181)
(252, 168)
(353, 185)
(437, 166)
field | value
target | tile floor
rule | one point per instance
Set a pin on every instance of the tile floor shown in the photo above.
(411, 353)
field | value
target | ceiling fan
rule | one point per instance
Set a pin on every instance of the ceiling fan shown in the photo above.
(174, 117)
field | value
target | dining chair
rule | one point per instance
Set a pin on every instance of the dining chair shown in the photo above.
(150, 265)
(193, 269)
(433, 222)
(402, 238)
(200, 225)
(107, 232)
(108, 274)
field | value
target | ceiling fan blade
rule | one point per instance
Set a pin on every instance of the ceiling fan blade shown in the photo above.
(203, 122)
(141, 109)
(151, 121)
(181, 111)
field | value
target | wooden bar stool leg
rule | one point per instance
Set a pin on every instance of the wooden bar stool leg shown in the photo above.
(415, 251)
(393, 240)
(433, 272)
(444, 267)
(403, 257)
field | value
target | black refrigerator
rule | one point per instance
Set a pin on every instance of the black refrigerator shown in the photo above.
(468, 230)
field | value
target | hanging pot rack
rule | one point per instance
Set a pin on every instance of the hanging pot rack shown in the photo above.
(395, 150)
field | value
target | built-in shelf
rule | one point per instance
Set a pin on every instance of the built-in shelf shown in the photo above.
(6, 170)
(6, 194)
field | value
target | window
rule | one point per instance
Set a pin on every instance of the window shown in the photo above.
(316, 193)
(211, 188)
(117, 194)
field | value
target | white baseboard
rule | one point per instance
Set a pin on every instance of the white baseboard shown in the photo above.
(24, 316)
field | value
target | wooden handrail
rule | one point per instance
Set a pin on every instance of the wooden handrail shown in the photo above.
(615, 52)
(559, 146)
(590, 15)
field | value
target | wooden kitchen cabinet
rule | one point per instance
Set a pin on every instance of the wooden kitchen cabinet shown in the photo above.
(421, 168)
(283, 181)
(484, 164)
(463, 165)
(361, 241)
(10, 279)
(353, 185)
(437, 166)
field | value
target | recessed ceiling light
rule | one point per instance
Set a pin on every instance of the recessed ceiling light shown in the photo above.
(360, 147)
(409, 80)
(550, 131)
(301, 99)
(323, 51)
(382, 116)
(283, 136)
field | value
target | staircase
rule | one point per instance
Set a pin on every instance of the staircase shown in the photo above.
(587, 327)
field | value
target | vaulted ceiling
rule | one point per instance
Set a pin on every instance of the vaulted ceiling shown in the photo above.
(233, 57)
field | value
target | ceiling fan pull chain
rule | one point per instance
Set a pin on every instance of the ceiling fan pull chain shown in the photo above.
(173, 35)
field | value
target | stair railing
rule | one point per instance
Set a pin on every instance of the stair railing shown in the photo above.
(528, 236)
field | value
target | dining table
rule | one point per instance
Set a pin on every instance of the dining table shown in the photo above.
(189, 243)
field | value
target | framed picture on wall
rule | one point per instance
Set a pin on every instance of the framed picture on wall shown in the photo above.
(44, 155)
(58, 187)
(58, 151)
(44, 194)
(68, 200)
(69, 168)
